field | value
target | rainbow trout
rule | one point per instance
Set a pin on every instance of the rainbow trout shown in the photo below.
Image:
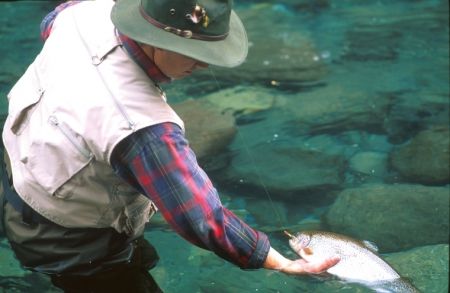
(359, 262)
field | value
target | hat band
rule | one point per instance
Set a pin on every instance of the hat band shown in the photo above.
(188, 34)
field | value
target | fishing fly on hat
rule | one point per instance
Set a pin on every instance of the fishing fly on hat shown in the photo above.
(205, 30)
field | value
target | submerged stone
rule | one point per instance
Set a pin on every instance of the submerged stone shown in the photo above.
(425, 159)
(242, 100)
(208, 129)
(287, 171)
(372, 164)
(395, 217)
(334, 109)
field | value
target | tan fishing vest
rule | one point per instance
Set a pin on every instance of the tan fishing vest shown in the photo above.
(80, 97)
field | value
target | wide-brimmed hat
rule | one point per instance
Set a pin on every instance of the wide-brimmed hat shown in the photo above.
(205, 30)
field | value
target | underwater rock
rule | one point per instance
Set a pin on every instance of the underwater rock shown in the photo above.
(242, 100)
(424, 159)
(208, 130)
(427, 266)
(371, 164)
(395, 217)
(334, 109)
(417, 111)
(287, 171)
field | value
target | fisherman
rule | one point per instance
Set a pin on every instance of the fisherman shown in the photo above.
(94, 149)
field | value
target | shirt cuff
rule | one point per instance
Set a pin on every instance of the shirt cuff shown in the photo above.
(259, 256)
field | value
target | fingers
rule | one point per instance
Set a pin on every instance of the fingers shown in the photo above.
(320, 267)
(301, 267)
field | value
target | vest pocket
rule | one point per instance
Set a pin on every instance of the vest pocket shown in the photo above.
(56, 156)
(71, 136)
(23, 99)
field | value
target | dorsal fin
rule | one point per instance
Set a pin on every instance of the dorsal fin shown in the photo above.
(370, 245)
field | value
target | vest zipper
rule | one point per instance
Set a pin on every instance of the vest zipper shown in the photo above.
(70, 136)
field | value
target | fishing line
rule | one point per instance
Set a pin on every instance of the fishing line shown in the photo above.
(253, 162)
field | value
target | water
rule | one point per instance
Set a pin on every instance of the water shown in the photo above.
(347, 131)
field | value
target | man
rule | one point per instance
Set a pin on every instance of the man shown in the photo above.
(95, 150)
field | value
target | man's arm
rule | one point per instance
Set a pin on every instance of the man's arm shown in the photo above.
(159, 163)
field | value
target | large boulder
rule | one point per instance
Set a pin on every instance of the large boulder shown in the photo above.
(334, 109)
(242, 100)
(208, 129)
(418, 111)
(425, 159)
(370, 165)
(286, 170)
(395, 217)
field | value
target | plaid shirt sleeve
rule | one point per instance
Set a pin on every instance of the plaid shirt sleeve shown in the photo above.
(159, 163)
(47, 22)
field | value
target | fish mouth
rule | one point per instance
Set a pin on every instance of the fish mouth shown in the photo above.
(299, 243)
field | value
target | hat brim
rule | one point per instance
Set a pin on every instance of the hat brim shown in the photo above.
(229, 52)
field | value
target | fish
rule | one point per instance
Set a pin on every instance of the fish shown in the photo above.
(359, 260)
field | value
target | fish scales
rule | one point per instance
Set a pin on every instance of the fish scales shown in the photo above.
(359, 261)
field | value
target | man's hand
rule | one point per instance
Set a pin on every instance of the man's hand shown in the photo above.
(300, 266)
(276, 261)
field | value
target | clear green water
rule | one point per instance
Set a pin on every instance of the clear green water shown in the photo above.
(352, 81)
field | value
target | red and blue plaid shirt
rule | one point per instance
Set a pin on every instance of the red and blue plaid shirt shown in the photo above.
(159, 163)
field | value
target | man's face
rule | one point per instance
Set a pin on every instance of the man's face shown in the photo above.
(175, 65)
